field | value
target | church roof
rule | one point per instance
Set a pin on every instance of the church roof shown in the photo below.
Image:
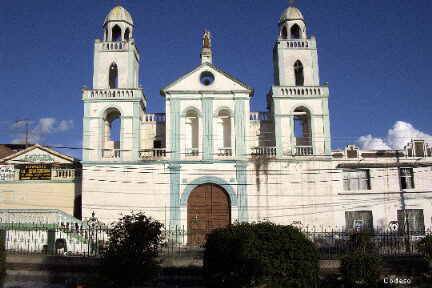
(119, 13)
(16, 154)
(291, 13)
(241, 85)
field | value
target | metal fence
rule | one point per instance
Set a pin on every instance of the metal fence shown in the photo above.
(74, 240)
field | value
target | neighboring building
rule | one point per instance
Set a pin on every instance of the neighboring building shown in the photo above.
(37, 178)
(208, 161)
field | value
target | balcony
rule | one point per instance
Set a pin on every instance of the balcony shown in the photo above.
(111, 154)
(264, 151)
(192, 153)
(113, 46)
(129, 94)
(224, 152)
(152, 154)
(300, 91)
(297, 43)
(154, 117)
(259, 116)
(303, 150)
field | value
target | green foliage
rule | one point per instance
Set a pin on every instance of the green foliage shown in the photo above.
(2, 255)
(361, 242)
(425, 247)
(362, 266)
(361, 270)
(260, 255)
(129, 258)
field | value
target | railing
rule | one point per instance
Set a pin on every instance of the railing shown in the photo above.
(112, 94)
(264, 151)
(291, 91)
(154, 117)
(76, 239)
(155, 153)
(224, 152)
(259, 116)
(114, 46)
(299, 43)
(192, 152)
(111, 153)
(303, 150)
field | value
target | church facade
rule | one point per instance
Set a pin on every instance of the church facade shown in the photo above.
(209, 161)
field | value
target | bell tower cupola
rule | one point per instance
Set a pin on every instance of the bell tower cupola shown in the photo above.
(292, 24)
(118, 25)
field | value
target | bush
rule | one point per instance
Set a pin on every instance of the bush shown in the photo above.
(361, 242)
(2, 256)
(425, 247)
(361, 270)
(361, 267)
(129, 258)
(260, 255)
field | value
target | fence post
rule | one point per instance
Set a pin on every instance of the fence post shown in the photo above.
(51, 241)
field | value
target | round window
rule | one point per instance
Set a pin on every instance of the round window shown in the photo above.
(207, 78)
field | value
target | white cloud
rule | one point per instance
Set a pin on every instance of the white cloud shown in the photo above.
(43, 127)
(368, 142)
(397, 137)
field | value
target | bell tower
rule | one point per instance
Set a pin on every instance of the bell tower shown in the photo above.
(297, 100)
(115, 104)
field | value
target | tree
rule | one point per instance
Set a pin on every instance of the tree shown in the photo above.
(130, 256)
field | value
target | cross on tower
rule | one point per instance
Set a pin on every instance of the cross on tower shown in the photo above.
(291, 2)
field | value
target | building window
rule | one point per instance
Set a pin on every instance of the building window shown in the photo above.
(157, 144)
(406, 178)
(284, 33)
(116, 33)
(224, 129)
(415, 220)
(192, 133)
(356, 180)
(112, 134)
(113, 76)
(302, 127)
(298, 73)
(126, 35)
(295, 32)
(207, 78)
(359, 220)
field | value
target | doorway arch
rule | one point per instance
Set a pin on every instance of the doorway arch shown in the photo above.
(208, 208)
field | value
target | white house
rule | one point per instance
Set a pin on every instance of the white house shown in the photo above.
(209, 161)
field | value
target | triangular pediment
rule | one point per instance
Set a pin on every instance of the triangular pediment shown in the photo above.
(191, 82)
(37, 154)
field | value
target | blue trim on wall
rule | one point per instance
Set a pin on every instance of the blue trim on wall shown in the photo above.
(136, 131)
(204, 180)
(86, 132)
(175, 129)
(278, 128)
(174, 195)
(208, 129)
(240, 129)
(242, 191)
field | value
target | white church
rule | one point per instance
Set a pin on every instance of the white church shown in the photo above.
(209, 161)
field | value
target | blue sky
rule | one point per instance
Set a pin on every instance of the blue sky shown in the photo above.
(374, 55)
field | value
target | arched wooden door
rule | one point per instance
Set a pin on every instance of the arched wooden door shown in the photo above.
(208, 208)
